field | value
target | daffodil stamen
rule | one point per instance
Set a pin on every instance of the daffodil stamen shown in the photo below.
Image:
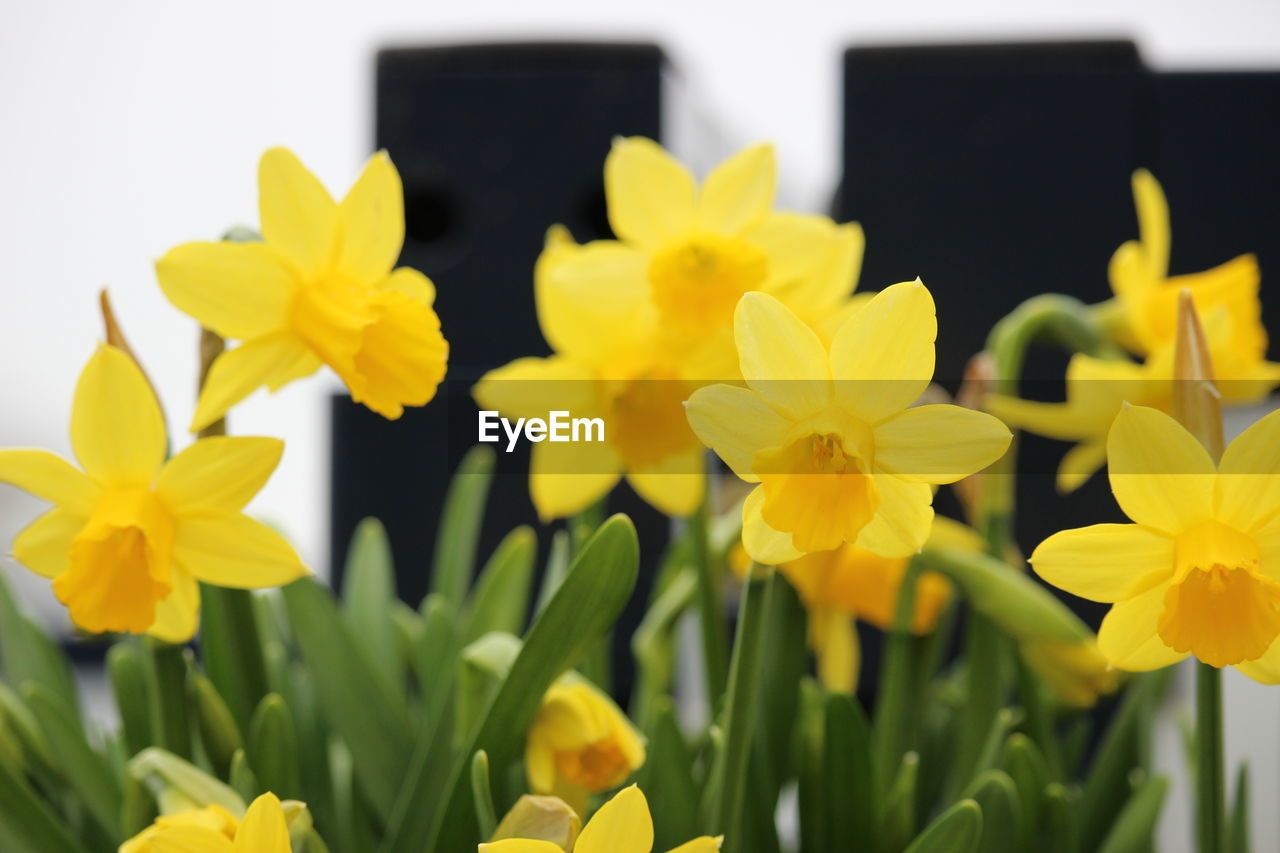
(697, 282)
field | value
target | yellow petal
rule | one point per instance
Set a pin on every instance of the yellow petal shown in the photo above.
(402, 356)
(188, 839)
(939, 443)
(674, 486)
(299, 217)
(650, 194)
(813, 263)
(178, 616)
(273, 360)
(903, 520)
(1153, 222)
(1062, 421)
(835, 643)
(1160, 474)
(236, 551)
(736, 423)
(583, 290)
(781, 358)
(739, 193)
(622, 825)
(44, 546)
(411, 283)
(761, 542)
(567, 478)
(218, 476)
(531, 387)
(705, 844)
(371, 222)
(1105, 562)
(1079, 464)
(116, 427)
(520, 845)
(1265, 669)
(1248, 488)
(1128, 638)
(264, 829)
(49, 477)
(882, 357)
(240, 290)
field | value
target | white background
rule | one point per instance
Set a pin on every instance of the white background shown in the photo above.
(128, 127)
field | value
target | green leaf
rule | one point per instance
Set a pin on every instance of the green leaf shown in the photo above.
(85, 770)
(653, 645)
(1134, 829)
(170, 723)
(501, 597)
(557, 568)
(1238, 825)
(810, 737)
(356, 700)
(219, 734)
(957, 830)
(900, 804)
(231, 649)
(273, 748)
(127, 669)
(139, 808)
(667, 780)
(1107, 786)
(179, 785)
(587, 603)
(368, 591)
(1026, 765)
(853, 785)
(243, 779)
(1002, 827)
(437, 640)
(27, 825)
(27, 655)
(1062, 819)
(482, 792)
(459, 532)
(481, 669)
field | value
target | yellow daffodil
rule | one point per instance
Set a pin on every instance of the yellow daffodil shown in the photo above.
(129, 536)
(684, 256)
(622, 825)
(319, 289)
(263, 830)
(1199, 571)
(540, 818)
(1147, 297)
(827, 432)
(580, 743)
(1097, 388)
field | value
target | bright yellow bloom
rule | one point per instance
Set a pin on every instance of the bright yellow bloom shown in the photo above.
(622, 825)
(263, 830)
(1097, 388)
(1199, 571)
(580, 743)
(536, 817)
(828, 435)
(319, 289)
(129, 537)
(1148, 297)
(684, 256)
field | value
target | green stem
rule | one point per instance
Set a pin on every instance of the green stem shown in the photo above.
(895, 720)
(710, 608)
(1210, 783)
(169, 698)
(729, 782)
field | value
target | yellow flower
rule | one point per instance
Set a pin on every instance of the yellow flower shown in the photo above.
(622, 825)
(129, 537)
(828, 435)
(1097, 388)
(319, 289)
(1148, 297)
(685, 255)
(263, 830)
(580, 743)
(1199, 571)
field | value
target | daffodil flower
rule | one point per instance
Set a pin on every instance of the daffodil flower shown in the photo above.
(319, 289)
(263, 830)
(684, 256)
(129, 537)
(1198, 573)
(1098, 388)
(622, 825)
(580, 743)
(1148, 296)
(828, 435)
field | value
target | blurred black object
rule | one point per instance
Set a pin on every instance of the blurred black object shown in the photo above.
(495, 143)
(996, 172)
